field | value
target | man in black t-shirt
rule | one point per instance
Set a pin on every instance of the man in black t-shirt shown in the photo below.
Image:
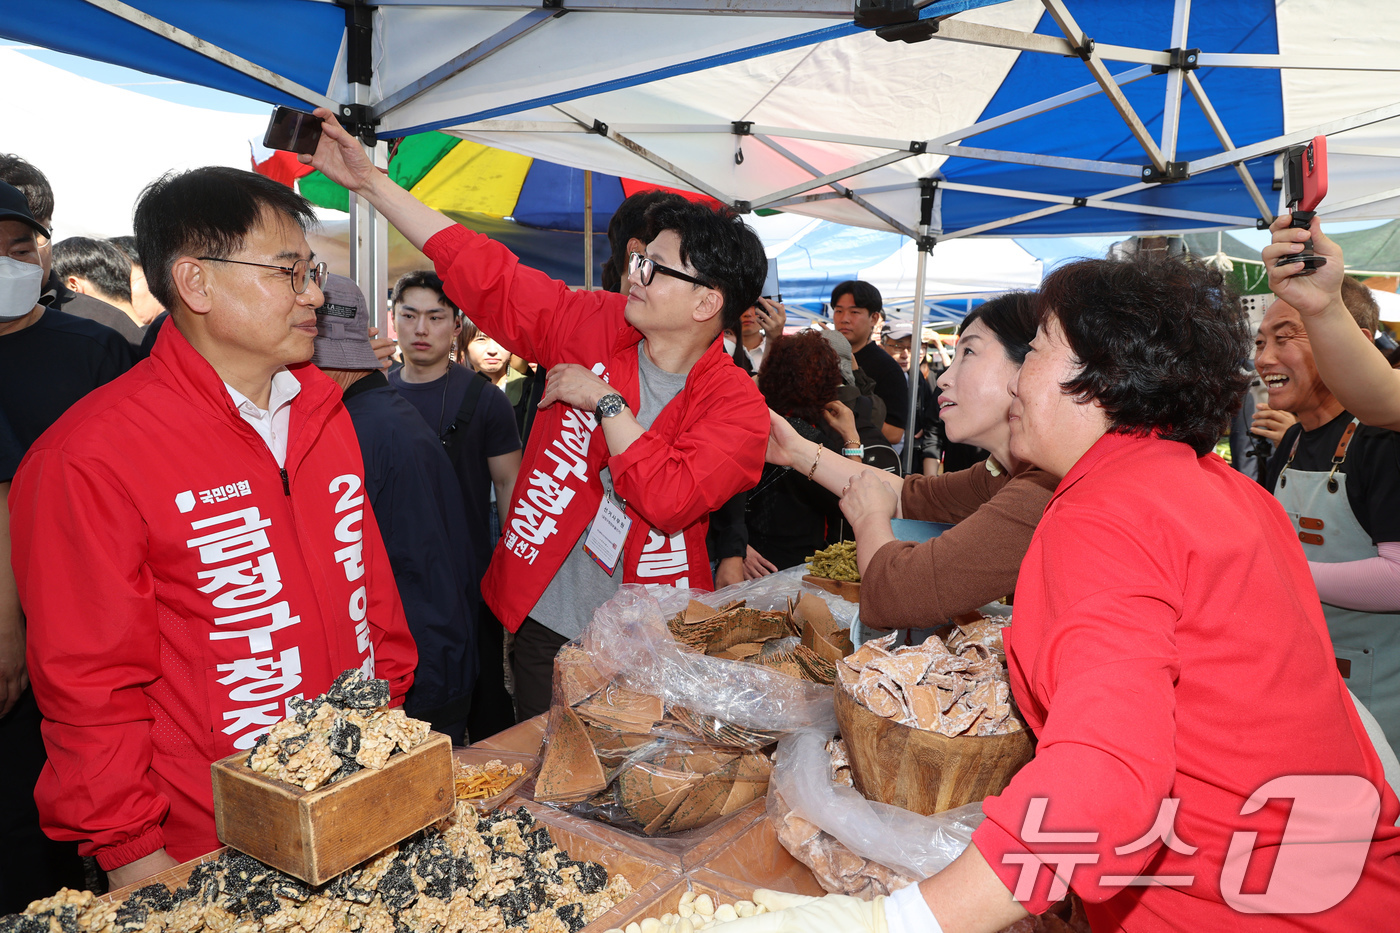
(476, 424)
(1339, 481)
(48, 361)
(857, 311)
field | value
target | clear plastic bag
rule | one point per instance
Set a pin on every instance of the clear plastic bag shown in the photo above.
(914, 845)
(657, 738)
(628, 640)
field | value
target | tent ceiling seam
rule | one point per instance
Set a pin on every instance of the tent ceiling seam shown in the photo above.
(212, 52)
(779, 83)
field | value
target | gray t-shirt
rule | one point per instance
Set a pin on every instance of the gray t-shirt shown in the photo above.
(580, 585)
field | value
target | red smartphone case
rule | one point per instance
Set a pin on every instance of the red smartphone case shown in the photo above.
(1314, 174)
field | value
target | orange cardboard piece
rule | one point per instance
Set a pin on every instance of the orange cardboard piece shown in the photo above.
(570, 770)
(820, 630)
(622, 710)
(578, 678)
(650, 794)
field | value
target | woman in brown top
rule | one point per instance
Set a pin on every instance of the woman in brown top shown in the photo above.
(995, 505)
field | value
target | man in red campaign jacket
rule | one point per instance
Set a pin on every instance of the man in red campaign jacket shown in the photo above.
(645, 427)
(191, 542)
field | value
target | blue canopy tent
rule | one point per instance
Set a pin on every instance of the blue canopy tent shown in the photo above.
(960, 118)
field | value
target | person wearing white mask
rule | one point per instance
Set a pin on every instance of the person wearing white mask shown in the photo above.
(48, 360)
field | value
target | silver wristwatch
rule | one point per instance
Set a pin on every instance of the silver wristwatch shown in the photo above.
(609, 405)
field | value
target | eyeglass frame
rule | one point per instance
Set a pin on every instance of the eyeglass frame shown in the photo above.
(318, 270)
(636, 260)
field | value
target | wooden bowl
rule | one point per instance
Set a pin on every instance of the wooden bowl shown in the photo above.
(923, 771)
(848, 591)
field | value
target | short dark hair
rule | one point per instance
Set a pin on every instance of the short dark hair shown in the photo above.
(31, 182)
(1011, 318)
(1160, 341)
(800, 375)
(864, 294)
(127, 244)
(1361, 304)
(98, 261)
(628, 221)
(205, 211)
(724, 251)
(421, 278)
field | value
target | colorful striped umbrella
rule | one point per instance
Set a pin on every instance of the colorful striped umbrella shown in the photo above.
(460, 177)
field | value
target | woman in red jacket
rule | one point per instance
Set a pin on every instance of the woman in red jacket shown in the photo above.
(1200, 765)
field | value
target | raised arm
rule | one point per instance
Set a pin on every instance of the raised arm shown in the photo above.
(1349, 363)
(340, 158)
(788, 448)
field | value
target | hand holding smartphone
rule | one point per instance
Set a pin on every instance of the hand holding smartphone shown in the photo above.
(1304, 187)
(293, 131)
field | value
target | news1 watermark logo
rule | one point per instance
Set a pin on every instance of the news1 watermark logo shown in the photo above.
(1320, 857)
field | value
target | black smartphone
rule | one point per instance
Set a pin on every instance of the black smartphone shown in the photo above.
(293, 130)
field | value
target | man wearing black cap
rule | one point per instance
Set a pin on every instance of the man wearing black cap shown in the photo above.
(48, 360)
(37, 191)
(413, 491)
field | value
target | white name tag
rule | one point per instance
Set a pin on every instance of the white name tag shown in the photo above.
(608, 534)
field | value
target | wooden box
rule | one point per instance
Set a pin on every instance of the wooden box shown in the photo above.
(648, 876)
(665, 899)
(315, 835)
(756, 859)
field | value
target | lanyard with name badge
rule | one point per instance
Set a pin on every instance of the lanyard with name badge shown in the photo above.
(608, 533)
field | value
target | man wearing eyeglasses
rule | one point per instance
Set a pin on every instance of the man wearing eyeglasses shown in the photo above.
(645, 427)
(192, 543)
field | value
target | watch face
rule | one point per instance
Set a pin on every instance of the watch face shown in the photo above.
(610, 405)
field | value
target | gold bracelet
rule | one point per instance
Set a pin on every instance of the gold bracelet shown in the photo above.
(815, 461)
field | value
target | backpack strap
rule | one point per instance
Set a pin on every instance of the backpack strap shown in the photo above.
(472, 400)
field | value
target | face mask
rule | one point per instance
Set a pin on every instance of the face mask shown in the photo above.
(21, 283)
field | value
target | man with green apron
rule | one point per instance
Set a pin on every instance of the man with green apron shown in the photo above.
(1339, 481)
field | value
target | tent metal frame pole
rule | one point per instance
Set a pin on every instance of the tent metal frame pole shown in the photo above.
(1277, 143)
(1084, 47)
(1028, 158)
(602, 129)
(587, 230)
(1083, 92)
(1171, 107)
(839, 189)
(1217, 125)
(1097, 202)
(916, 352)
(820, 180)
(1293, 62)
(953, 30)
(212, 52)
(931, 207)
(471, 57)
(369, 235)
(805, 9)
(1042, 212)
(1362, 201)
